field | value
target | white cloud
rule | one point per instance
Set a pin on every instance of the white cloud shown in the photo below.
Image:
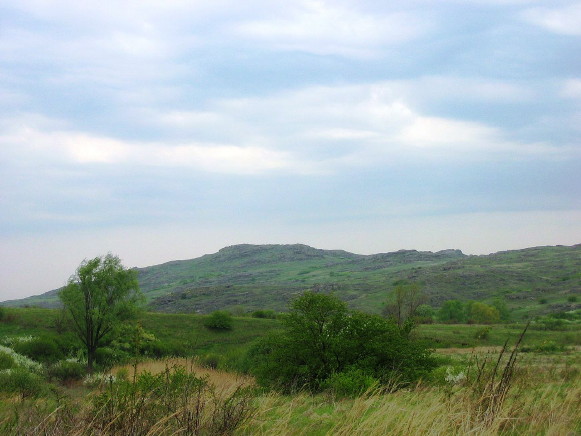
(571, 89)
(565, 20)
(323, 27)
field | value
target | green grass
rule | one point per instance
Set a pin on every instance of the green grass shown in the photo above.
(185, 334)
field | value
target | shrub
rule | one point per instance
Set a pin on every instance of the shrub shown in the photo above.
(172, 402)
(350, 383)
(21, 361)
(21, 381)
(543, 301)
(2, 313)
(219, 320)
(66, 371)
(322, 337)
(39, 349)
(570, 299)
(210, 361)
(482, 333)
(6, 361)
(270, 314)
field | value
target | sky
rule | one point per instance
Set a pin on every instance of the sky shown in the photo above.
(163, 130)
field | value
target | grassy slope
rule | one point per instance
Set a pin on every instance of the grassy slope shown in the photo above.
(255, 277)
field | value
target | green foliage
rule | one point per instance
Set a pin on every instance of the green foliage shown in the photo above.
(173, 402)
(23, 382)
(350, 383)
(2, 313)
(100, 295)
(544, 347)
(404, 301)
(424, 314)
(322, 337)
(41, 349)
(452, 311)
(543, 301)
(482, 333)
(570, 299)
(211, 360)
(270, 314)
(503, 311)
(6, 361)
(481, 313)
(219, 320)
(66, 371)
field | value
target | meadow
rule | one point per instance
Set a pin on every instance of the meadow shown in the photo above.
(202, 389)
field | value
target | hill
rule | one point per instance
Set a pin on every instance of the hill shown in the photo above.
(248, 277)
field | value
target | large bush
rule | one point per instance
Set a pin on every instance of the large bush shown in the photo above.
(321, 338)
(40, 349)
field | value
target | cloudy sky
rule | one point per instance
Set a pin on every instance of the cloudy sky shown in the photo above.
(163, 130)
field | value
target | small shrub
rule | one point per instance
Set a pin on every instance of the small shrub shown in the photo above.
(570, 299)
(21, 381)
(210, 361)
(482, 333)
(6, 361)
(219, 320)
(543, 301)
(66, 371)
(265, 314)
(2, 313)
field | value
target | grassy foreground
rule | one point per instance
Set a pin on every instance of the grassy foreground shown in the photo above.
(543, 397)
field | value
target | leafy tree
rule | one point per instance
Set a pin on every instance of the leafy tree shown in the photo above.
(99, 296)
(502, 307)
(404, 302)
(452, 311)
(321, 338)
(425, 314)
(482, 313)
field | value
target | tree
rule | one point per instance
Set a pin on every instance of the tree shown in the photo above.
(322, 338)
(99, 296)
(404, 302)
(482, 313)
(452, 311)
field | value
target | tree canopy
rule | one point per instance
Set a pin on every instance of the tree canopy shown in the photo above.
(100, 295)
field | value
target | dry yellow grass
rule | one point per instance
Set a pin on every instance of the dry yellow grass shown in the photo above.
(223, 381)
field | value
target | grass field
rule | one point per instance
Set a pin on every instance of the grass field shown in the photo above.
(541, 394)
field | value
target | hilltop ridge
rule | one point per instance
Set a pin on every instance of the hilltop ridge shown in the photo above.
(249, 277)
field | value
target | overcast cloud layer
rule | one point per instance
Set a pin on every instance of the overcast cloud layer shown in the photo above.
(160, 130)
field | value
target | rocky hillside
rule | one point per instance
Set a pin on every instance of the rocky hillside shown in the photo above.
(248, 277)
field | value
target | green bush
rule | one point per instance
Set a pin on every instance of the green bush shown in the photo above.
(268, 314)
(322, 337)
(23, 382)
(350, 383)
(6, 361)
(570, 299)
(41, 349)
(2, 313)
(482, 333)
(66, 371)
(219, 320)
